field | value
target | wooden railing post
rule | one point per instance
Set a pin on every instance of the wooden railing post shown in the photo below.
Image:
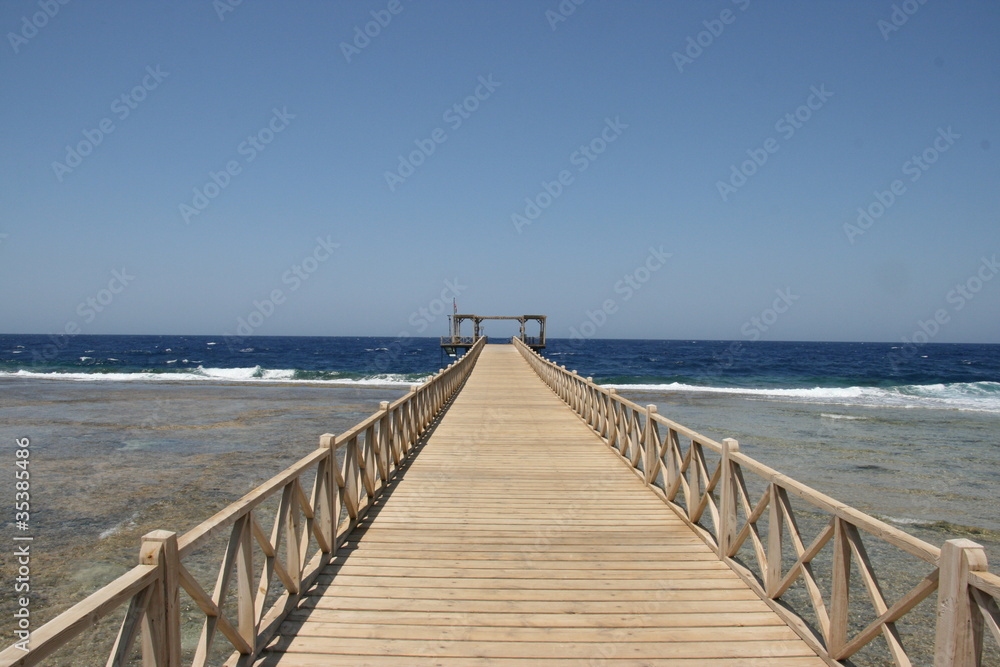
(650, 451)
(727, 501)
(840, 589)
(775, 532)
(672, 481)
(326, 503)
(384, 443)
(351, 472)
(614, 412)
(246, 584)
(332, 506)
(590, 392)
(415, 426)
(161, 625)
(575, 389)
(959, 639)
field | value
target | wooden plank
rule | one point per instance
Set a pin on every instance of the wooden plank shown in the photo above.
(321, 660)
(539, 650)
(478, 633)
(688, 599)
(553, 605)
(651, 620)
(495, 561)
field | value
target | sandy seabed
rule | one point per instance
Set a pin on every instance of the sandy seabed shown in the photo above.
(112, 461)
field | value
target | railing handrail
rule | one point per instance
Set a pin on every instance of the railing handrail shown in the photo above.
(968, 593)
(375, 448)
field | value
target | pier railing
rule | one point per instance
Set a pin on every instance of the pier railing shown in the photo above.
(762, 538)
(348, 473)
(458, 340)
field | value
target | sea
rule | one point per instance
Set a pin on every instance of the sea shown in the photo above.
(933, 376)
(133, 433)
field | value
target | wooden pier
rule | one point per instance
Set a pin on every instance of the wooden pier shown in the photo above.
(508, 511)
(516, 537)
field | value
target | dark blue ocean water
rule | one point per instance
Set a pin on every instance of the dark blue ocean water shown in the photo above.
(891, 374)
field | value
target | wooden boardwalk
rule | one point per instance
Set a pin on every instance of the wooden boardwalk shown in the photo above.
(516, 536)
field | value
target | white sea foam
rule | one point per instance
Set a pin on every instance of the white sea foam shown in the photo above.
(278, 374)
(201, 374)
(391, 379)
(113, 530)
(230, 373)
(975, 396)
(906, 521)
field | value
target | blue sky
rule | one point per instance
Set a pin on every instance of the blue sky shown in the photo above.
(630, 169)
